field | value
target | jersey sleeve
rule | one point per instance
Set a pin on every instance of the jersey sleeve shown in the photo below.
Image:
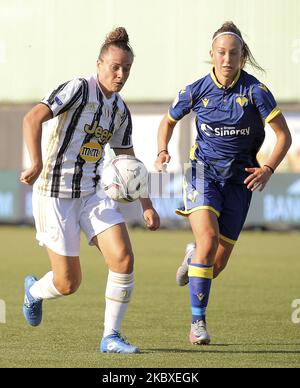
(65, 97)
(122, 137)
(182, 105)
(265, 102)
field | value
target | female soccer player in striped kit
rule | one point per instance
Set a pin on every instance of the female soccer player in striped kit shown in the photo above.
(90, 113)
(231, 108)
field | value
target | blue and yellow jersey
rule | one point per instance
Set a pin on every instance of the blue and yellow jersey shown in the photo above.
(230, 123)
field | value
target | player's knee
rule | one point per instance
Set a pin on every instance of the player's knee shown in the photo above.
(209, 244)
(67, 286)
(122, 262)
(126, 263)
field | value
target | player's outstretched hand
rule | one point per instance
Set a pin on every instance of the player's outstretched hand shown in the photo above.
(258, 178)
(161, 162)
(29, 176)
(152, 220)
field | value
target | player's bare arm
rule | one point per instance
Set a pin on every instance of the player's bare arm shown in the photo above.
(259, 177)
(32, 129)
(164, 135)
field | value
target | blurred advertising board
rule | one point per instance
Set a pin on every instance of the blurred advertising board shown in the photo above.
(291, 162)
(10, 197)
(277, 206)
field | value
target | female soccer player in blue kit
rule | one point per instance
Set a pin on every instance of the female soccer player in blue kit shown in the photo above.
(231, 108)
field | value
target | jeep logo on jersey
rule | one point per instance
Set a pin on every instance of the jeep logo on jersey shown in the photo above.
(101, 134)
(225, 131)
(91, 152)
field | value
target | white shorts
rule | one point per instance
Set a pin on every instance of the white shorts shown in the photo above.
(58, 221)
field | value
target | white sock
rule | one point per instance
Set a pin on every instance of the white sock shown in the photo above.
(44, 288)
(117, 296)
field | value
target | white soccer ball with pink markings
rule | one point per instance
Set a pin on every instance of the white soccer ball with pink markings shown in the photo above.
(125, 179)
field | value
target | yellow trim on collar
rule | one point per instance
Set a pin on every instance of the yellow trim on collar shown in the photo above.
(220, 86)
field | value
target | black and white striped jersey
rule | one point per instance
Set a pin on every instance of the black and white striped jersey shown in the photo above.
(74, 150)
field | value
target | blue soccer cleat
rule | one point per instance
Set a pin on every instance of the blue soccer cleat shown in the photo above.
(32, 309)
(114, 343)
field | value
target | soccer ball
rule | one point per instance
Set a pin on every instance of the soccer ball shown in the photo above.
(125, 179)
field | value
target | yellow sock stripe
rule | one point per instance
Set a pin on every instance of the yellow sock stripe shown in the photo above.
(201, 272)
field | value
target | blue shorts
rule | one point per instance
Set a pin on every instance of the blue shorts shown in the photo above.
(229, 201)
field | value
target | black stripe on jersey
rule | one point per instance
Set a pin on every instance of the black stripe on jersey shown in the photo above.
(113, 115)
(78, 168)
(128, 131)
(68, 137)
(97, 177)
(73, 100)
(124, 116)
(52, 96)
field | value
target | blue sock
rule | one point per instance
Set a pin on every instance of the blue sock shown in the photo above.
(200, 277)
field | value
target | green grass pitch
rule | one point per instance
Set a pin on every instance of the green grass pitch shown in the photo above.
(249, 314)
